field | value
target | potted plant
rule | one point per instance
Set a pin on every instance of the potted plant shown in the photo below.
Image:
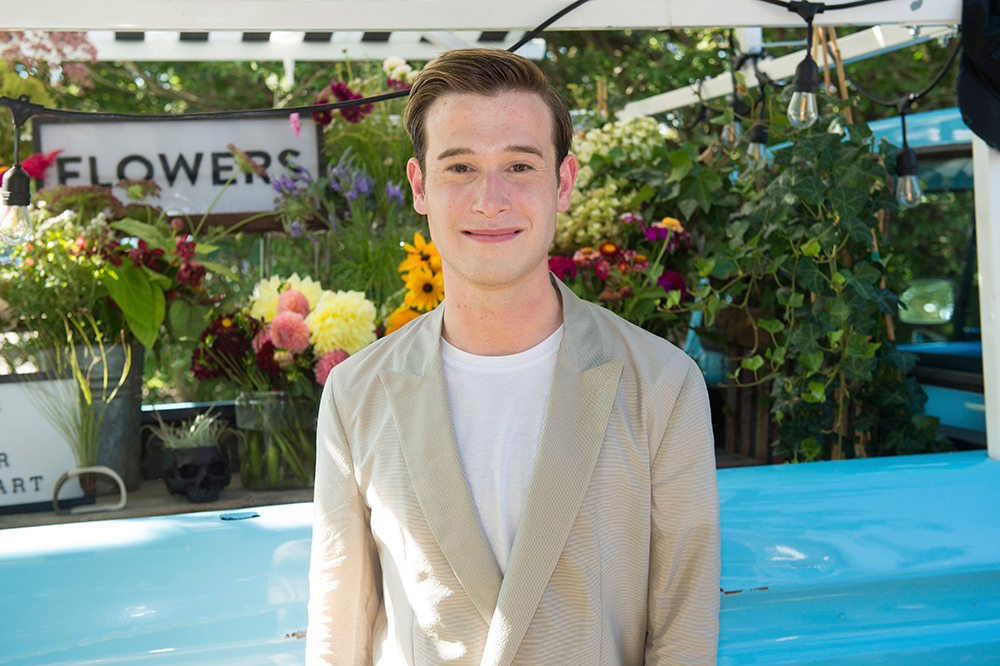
(193, 462)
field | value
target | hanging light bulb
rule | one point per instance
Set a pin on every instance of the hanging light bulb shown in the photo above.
(908, 190)
(802, 111)
(732, 132)
(757, 151)
(15, 224)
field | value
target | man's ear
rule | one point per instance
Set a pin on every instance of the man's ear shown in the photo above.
(416, 178)
(567, 178)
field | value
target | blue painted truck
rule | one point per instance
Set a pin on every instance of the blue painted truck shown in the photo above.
(864, 562)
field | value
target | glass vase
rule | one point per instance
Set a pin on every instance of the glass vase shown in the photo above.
(278, 440)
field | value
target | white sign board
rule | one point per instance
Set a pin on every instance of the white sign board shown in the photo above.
(189, 159)
(33, 453)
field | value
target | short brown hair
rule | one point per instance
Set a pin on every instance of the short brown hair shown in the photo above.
(480, 71)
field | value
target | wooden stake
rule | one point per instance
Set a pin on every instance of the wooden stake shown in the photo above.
(841, 76)
(821, 35)
(602, 99)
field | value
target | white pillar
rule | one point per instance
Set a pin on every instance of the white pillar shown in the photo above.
(987, 178)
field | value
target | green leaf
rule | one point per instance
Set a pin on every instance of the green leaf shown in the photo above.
(772, 326)
(219, 269)
(811, 450)
(645, 193)
(816, 393)
(160, 279)
(838, 278)
(140, 300)
(754, 363)
(682, 164)
(205, 248)
(616, 154)
(796, 300)
(705, 266)
(810, 249)
(146, 232)
(805, 339)
(838, 310)
(187, 320)
(688, 207)
(811, 362)
(811, 278)
(673, 299)
(810, 190)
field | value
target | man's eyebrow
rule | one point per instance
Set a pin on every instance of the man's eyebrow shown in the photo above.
(517, 148)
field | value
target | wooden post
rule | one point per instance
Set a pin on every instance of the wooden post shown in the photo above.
(821, 38)
(841, 76)
(762, 434)
(602, 99)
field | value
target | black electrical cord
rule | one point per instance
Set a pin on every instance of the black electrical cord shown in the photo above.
(910, 98)
(820, 7)
(22, 109)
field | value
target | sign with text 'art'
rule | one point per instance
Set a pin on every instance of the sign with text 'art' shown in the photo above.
(33, 453)
(188, 159)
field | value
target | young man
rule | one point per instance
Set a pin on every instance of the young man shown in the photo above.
(519, 476)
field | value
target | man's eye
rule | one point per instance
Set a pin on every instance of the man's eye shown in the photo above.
(521, 168)
(459, 168)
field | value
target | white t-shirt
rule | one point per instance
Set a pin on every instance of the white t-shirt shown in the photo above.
(498, 407)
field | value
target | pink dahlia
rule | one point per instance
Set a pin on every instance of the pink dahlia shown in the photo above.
(289, 332)
(327, 363)
(293, 300)
(263, 336)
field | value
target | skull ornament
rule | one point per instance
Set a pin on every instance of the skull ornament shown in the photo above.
(200, 473)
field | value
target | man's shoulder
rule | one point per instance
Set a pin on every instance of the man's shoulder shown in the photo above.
(387, 353)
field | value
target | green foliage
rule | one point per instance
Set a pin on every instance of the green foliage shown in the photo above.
(800, 260)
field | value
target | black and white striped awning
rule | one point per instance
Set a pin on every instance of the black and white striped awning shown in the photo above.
(225, 45)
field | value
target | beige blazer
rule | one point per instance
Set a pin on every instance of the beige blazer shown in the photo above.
(616, 556)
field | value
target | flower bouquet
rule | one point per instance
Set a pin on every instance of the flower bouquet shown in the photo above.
(278, 351)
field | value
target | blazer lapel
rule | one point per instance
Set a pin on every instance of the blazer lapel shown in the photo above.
(584, 386)
(418, 399)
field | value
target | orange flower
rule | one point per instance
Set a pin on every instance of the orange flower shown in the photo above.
(399, 317)
(420, 255)
(424, 289)
(671, 223)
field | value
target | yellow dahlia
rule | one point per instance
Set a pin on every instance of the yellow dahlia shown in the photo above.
(309, 288)
(420, 255)
(401, 316)
(264, 302)
(424, 289)
(341, 320)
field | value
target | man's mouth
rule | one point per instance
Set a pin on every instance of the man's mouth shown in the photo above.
(492, 235)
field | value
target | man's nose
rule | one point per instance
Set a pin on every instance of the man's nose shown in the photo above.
(491, 199)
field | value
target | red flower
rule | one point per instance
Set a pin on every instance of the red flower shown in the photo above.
(185, 248)
(265, 360)
(143, 256)
(609, 249)
(322, 118)
(396, 84)
(352, 114)
(191, 273)
(38, 164)
(602, 269)
(561, 266)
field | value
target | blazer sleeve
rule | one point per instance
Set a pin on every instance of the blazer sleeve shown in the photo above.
(684, 563)
(344, 573)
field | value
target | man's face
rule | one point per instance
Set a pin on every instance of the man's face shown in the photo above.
(492, 186)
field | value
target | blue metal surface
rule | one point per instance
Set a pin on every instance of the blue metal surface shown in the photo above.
(944, 127)
(966, 348)
(882, 561)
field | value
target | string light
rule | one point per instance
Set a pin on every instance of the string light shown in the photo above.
(909, 193)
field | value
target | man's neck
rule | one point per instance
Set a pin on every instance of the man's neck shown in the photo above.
(501, 322)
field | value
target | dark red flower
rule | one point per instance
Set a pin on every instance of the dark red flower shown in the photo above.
(38, 164)
(396, 84)
(672, 280)
(202, 367)
(265, 360)
(562, 266)
(185, 248)
(352, 114)
(191, 273)
(143, 256)
(602, 269)
(322, 118)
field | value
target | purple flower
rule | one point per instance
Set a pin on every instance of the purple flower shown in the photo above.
(394, 193)
(655, 233)
(283, 185)
(672, 280)
(363, 185)
(295, 228)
